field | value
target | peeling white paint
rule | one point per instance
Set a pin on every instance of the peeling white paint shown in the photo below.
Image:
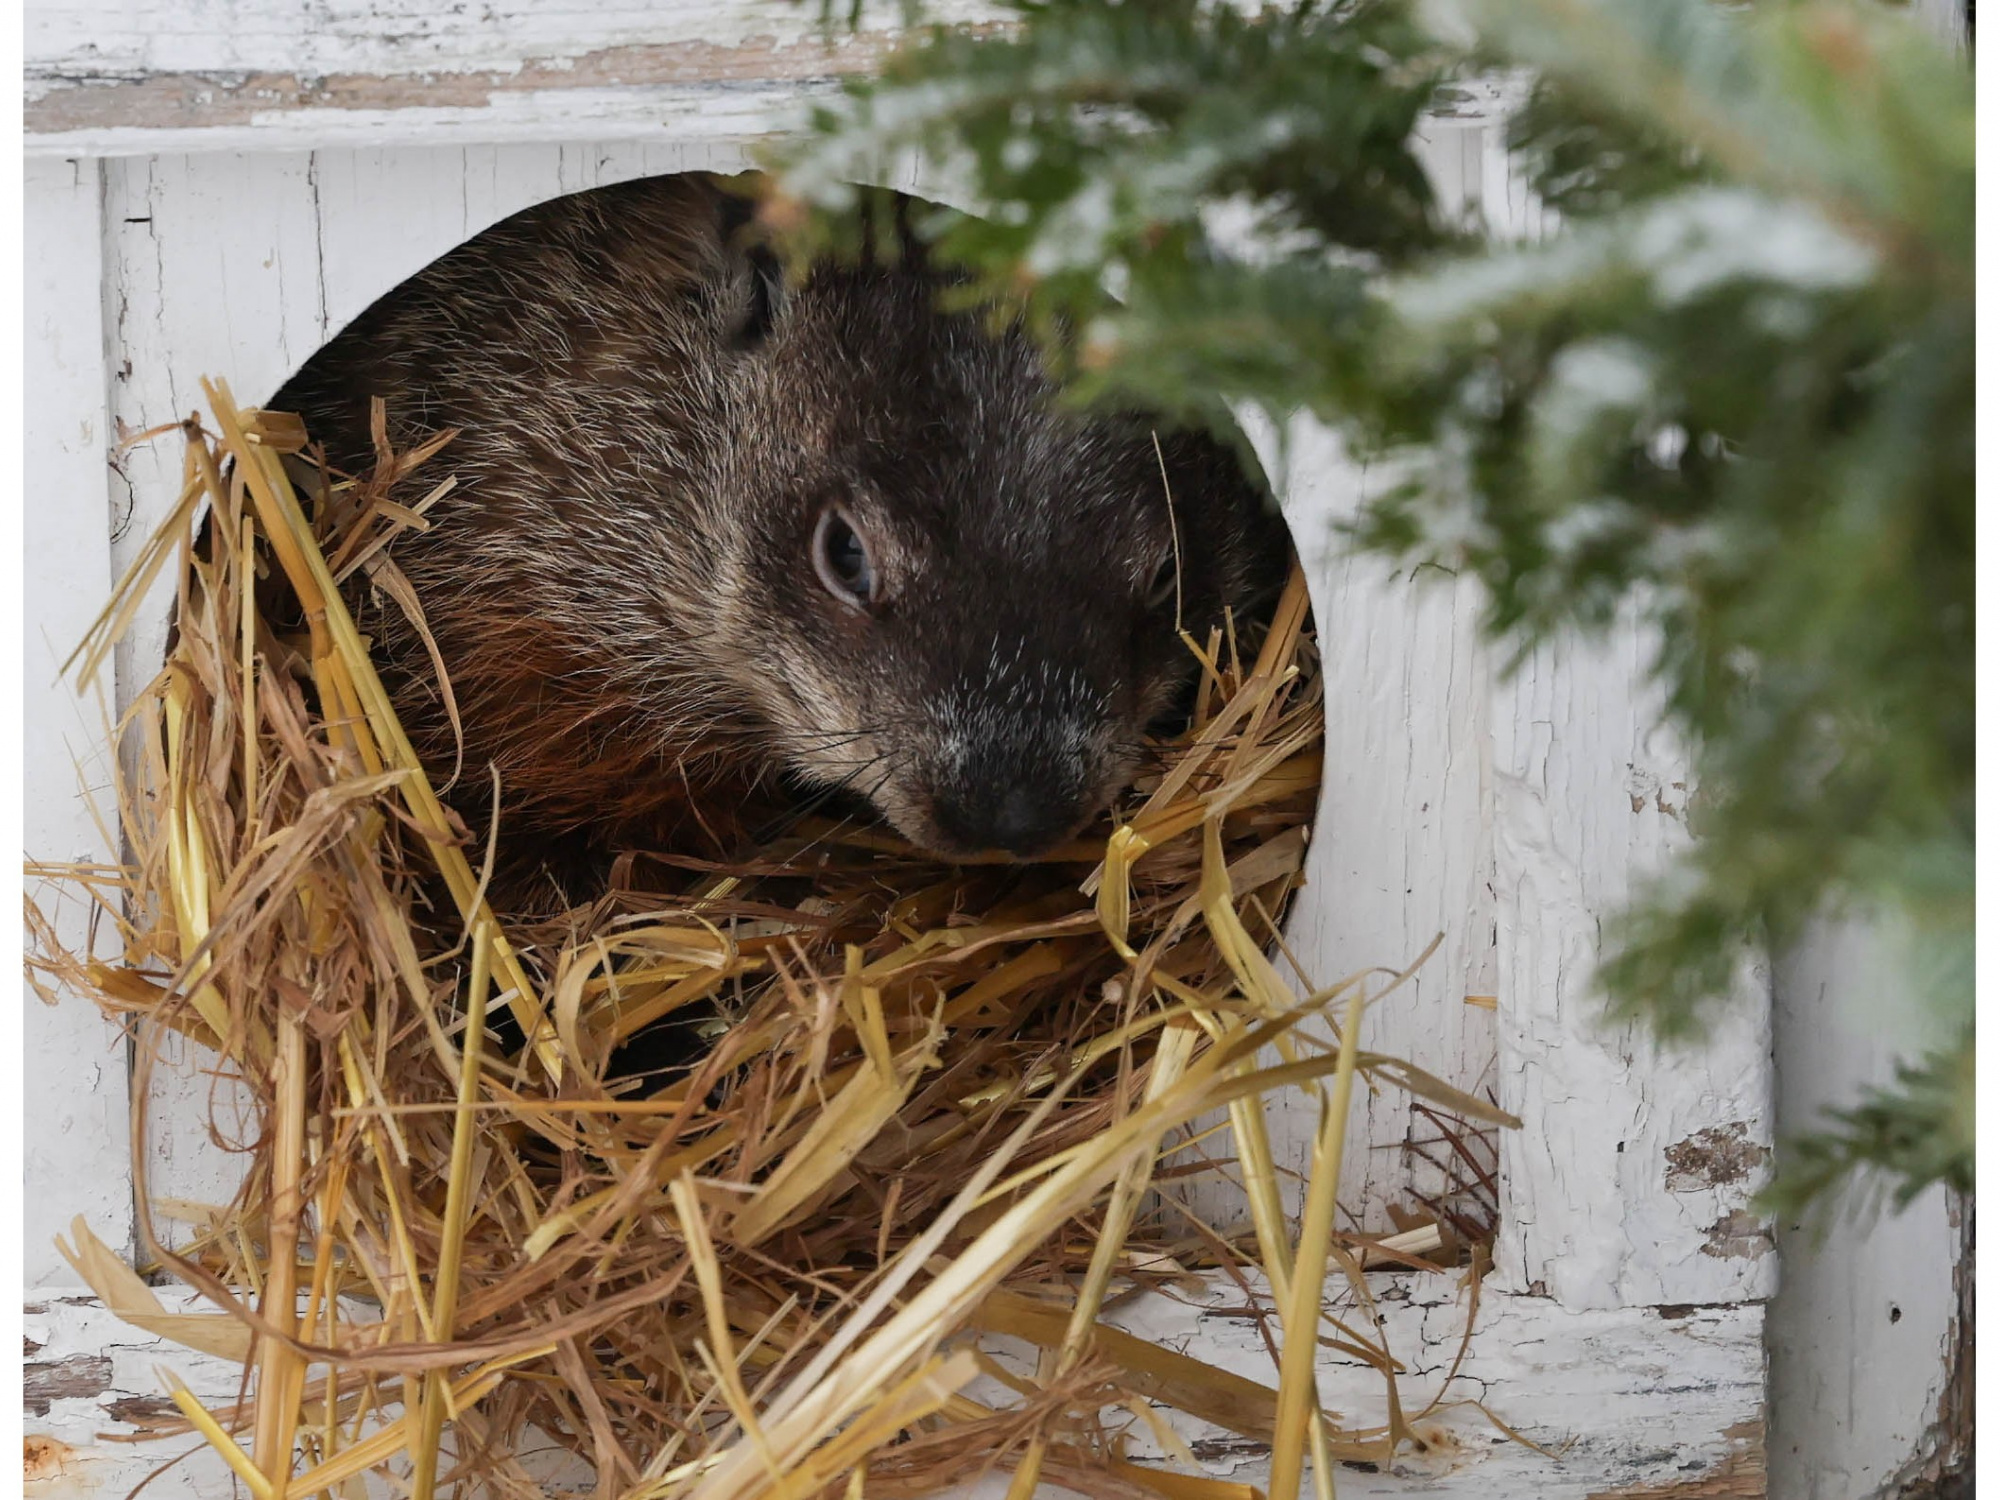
(1627, 1397)
(111, 39)
(1588, 796)
(96, 1432)
(111, 77)
(1622, 1398)
(739, 116)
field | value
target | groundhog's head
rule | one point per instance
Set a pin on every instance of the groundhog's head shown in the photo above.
(948, 593)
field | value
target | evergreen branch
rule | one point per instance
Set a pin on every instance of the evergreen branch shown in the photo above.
(1733, 395)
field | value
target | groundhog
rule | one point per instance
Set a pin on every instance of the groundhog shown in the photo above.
(723, 536)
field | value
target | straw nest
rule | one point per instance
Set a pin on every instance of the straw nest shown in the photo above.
(934, 1111)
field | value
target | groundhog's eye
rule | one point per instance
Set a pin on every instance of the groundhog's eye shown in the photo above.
(840, 555)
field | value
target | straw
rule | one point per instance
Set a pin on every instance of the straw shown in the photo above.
(931, 1109)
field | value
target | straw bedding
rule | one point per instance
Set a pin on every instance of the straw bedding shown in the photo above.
(932, 1107)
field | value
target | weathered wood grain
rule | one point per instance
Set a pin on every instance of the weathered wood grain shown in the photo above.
(117, 77)
(85, 39)
(1602, 1211)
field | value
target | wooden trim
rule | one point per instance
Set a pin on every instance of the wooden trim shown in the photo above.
(68, 105)
(76, 1079)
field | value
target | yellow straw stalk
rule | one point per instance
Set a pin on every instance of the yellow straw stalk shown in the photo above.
(931, 1108)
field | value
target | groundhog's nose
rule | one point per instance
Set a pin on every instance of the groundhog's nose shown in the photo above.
(1018, 819)
(1026, 824)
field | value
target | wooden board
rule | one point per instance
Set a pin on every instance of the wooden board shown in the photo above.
(1631, 1177)
(106, 76)
(74, 1079)
(1879, 1291)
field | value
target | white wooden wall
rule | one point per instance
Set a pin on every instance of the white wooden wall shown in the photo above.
(1454, 802)
(218, 188)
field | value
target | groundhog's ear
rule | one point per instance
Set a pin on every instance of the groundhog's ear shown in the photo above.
(888, 238)
(756, 296)
(753, 276)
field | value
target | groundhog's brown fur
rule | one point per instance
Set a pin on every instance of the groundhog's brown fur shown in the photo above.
(713, 531)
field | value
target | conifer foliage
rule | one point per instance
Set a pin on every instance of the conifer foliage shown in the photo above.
(1732, 390)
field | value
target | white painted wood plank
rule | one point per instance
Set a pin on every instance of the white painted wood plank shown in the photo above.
(75, 1086)
(1861, 1325)
(1589, 797)
(382, 216)
(116, 77)
(1632, 1402)
(1401, 852)
(656, 115)
(121, 38)
(73, 1446)
(1402, 847)
(1630, 1179)
(96, 1397)
(1861, 1328)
